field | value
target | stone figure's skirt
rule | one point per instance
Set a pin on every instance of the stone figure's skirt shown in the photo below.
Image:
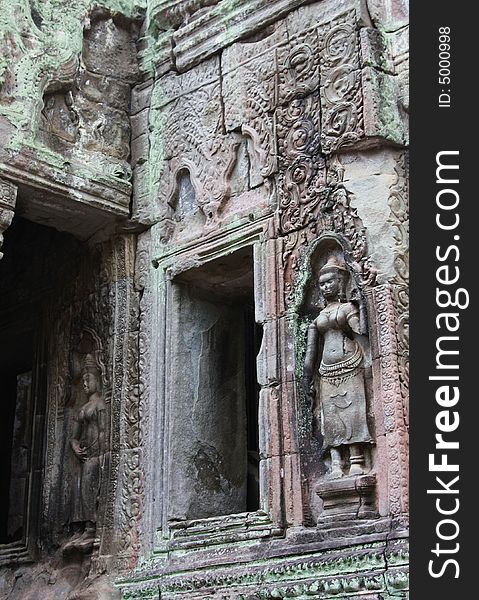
(86, 502)
(343, 410)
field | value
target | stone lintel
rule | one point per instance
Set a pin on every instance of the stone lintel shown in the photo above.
(78, 204)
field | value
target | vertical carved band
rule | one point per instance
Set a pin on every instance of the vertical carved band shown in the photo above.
(389, 411)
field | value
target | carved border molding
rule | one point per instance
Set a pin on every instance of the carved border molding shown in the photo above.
(376, 567)
(126, 478)
(399, 219)
(204, 35)
(391, 399)
(111, 311)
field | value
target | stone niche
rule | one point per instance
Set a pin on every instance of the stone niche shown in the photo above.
(213, 390)
(337, 372)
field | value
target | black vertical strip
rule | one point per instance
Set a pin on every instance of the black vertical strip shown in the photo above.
(443, 120)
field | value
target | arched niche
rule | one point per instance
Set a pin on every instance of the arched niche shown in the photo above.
(331, 248)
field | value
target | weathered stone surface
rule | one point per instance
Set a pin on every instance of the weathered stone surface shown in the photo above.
(211, 159)
(101, 89)
(206, 447)
(108, 49)
(369, 177)
(389, 15)
(382, 102)
(216, 28)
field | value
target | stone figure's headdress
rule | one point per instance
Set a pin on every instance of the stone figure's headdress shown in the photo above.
(333, 265)
(90, 365)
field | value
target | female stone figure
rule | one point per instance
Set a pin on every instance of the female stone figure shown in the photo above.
(88, 445)
(340, 396)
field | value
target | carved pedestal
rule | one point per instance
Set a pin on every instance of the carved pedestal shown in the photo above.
(347, 498)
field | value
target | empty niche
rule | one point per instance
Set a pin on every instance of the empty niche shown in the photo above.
(213, 391)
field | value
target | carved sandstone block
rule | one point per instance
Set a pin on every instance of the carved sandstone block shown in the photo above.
(173, 85)
(382, 115)
(108, 49)
(390, 14)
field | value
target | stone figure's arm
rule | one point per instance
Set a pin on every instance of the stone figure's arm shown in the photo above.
(353, 320)
(312, 342)
(102, 431)
(79, 452)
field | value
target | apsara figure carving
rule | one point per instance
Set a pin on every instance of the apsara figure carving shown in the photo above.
(339, 397)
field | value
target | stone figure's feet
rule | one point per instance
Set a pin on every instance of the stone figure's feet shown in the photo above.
(336, 473)
(88, 534)
(82, 542)
(85, 544)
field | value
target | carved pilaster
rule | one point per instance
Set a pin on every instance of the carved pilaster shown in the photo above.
(8, 198)
(391, 400)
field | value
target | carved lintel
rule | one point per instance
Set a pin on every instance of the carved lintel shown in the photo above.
(8, 198)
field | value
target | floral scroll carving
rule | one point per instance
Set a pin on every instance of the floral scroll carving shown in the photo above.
(399, 219)
(341, 97)
(303, 176)
(334, 214)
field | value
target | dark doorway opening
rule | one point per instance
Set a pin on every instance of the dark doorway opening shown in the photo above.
(37, 261)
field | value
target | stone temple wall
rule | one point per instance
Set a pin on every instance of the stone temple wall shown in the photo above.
(220, 357)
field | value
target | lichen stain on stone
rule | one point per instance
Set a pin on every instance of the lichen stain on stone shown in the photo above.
(44, 47)
(208, 464)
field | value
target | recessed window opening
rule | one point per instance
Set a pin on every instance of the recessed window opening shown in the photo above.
(214, 448)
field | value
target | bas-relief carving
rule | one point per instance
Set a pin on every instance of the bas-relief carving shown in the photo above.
(292, 117)
(71, 122)
(366, 571)
(87, 444)
(195, 144)
(108, 516)
(313, 203)
(250, 108)
(341, 98)
(399, 219)
(69, 101)
(340, 395)
(303, 172)
(385, 402)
